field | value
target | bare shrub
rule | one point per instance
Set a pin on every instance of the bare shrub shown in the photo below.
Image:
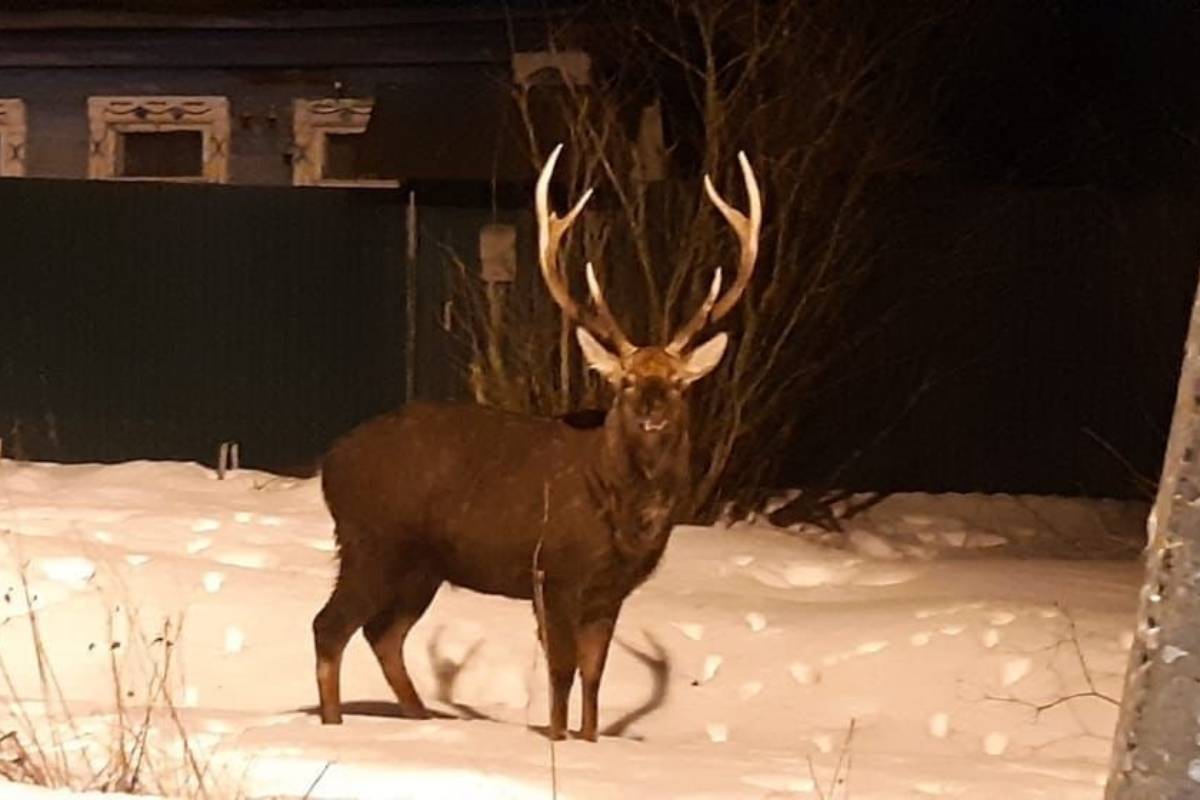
(821, 96)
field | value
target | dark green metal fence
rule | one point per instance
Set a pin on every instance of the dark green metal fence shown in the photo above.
(152, 320)
(157, 320)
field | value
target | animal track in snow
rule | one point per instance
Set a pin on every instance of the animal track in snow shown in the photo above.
(692, 630)
(198, 545)
(990, 638)
(68, 569)
(995, 743)
(824, 743)
(863, 649)
(952, 630)
(270, 520)
(920, 638)
(1001, 618)
(1014, 670)
(756, 621)
(235, 640)
(324, 545)
(749, 690)
(136, 559)
(803, 673)
(717, 732)
(212, 581)
(243, 517)
(102, 536)
(926, 613)
(712, 663)
(742, 561)
(939, 725)
(808, 575)
(205, 525)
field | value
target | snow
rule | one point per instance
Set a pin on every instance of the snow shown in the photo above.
(919, 655)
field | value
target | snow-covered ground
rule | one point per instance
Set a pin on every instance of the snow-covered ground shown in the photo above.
(923, 654)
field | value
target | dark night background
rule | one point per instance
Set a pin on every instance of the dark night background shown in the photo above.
(1070, 155)
(1045, 259)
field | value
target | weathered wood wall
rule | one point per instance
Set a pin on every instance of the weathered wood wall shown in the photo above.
(448, 71)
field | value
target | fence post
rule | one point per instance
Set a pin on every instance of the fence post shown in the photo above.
(228, 458)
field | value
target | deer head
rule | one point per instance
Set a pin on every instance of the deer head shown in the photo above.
(650, 381)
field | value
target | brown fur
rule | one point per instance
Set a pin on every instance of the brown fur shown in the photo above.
(465, 494)
(469, 495)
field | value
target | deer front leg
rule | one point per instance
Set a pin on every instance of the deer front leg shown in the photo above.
(559, 637)
(592, 645)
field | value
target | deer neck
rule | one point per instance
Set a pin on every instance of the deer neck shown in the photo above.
(643, 485)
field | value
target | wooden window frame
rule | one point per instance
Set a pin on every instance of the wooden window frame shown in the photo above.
(312, 121)
(111, 116)
(12, 137)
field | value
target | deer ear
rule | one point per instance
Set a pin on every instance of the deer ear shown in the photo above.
(598, 356)
(704, 358)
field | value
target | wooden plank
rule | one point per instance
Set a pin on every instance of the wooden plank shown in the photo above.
(414, 45)
(242, 16)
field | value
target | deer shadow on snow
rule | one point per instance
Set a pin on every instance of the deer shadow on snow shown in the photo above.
(447, 670)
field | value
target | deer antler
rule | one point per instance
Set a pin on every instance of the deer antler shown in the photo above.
(551, 229)
(747, 229)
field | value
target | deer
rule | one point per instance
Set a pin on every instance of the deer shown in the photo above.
(533, 508)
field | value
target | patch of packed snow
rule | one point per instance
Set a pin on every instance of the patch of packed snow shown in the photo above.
(738, 671)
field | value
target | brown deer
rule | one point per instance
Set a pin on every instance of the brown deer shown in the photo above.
(498, 502)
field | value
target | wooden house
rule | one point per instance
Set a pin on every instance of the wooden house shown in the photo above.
(271, 93)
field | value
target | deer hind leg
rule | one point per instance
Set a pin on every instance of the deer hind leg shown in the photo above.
(359, 594)
(387, 630)
(592, 644)
(332, 628)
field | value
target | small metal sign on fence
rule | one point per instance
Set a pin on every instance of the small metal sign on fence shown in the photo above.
(498, 253)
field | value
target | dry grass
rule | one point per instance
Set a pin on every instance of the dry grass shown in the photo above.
(839, 781)
(132, 748)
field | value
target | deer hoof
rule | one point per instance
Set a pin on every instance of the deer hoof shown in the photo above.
(420, 712)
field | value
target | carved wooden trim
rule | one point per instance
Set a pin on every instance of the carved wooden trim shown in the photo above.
(109, 117)
(12, 137)
(312, 121)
